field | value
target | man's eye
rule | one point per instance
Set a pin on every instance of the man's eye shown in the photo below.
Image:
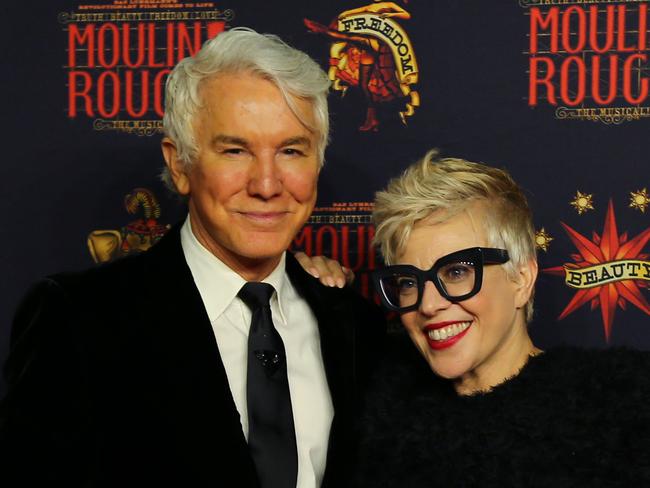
(233, 150)
(292, 151)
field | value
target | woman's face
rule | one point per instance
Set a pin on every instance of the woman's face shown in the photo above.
(477, 342)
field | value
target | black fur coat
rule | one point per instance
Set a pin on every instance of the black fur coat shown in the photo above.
(571, 418)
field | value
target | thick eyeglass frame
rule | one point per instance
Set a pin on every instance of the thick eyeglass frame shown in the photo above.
(478, 256)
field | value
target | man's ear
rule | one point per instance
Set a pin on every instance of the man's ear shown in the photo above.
(175, 166)
(525, 278)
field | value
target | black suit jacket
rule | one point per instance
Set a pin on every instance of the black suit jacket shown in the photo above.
(115, 379)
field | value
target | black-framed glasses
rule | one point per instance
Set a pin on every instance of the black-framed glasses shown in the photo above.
(457, 277)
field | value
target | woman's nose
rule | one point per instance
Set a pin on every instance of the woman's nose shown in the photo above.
(432, 300)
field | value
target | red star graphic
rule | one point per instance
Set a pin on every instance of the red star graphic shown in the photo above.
(603, 249)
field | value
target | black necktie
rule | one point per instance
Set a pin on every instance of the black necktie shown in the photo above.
(271, 434)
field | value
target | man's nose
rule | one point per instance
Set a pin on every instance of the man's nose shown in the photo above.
(265, 177)
(432, 300)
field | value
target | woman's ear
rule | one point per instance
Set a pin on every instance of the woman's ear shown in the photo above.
(175, 166)
(525, 277)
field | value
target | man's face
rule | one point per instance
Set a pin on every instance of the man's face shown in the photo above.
(253, 183)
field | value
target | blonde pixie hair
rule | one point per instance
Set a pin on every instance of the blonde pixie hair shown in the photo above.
(451, 185)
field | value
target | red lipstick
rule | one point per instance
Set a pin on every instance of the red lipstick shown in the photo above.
(448, 342)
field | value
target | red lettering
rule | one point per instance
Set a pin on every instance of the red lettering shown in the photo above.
(184, 40)
(144, 94)
(74, 92)
(565, 78)
(643, 26)
(215, 28)
(574, 29)
(101, 93)
(593, 29)
(159, 90)
(581, 30)
(573, 80)
(117, 48)
(622, 31)
(595, 79)
(170, 44)
(101, 45)
(545, 80)
(642, 83)
(538, 21)
(304, 240)
(151, 31)
(126, 42)
(88, 38)
(334, 241)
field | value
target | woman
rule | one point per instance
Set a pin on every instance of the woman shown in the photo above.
(458, 241)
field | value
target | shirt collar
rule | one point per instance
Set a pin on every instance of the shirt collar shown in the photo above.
(218, 284)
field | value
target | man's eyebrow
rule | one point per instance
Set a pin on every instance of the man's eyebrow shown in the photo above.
(226, 139)
(291, 141)
(297, 141)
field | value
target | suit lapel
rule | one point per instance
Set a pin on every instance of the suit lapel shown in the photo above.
(182, 333)
(199, 405)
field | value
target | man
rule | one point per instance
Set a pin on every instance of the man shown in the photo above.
(138, 373)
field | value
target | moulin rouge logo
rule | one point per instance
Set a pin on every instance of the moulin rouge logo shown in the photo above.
(589, 62)
(118, 58)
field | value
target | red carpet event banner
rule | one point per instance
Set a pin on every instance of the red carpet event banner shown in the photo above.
(556, 92)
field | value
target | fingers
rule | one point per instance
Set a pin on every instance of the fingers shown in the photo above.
(349, 275)
(336, 272)
(306, 263)
(328, 271)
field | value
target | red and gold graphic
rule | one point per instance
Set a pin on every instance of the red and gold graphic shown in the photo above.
(119, 55)
(582, 202)
(609, 270)
(136, 236)
(590, 62)
(639, 199)
(371, 51)
(543, 239)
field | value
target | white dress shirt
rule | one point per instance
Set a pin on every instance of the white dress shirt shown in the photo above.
(295, 322)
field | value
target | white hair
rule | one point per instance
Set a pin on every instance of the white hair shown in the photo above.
(240, 49)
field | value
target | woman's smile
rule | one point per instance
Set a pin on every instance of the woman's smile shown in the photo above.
(445, 334)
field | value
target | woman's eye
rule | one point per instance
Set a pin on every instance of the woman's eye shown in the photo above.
(406, 284)
(457, 272)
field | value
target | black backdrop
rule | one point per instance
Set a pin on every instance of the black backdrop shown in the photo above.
(65, 178)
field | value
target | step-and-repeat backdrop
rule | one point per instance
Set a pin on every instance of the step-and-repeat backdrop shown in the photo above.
(556, 91)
